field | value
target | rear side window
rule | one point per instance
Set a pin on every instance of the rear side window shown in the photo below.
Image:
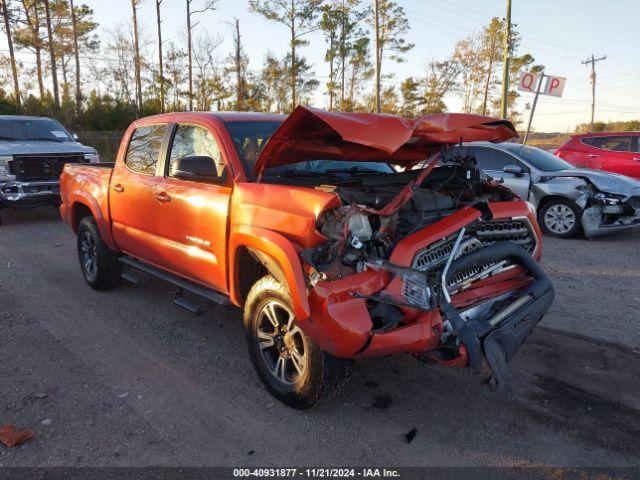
(144, 148)
(615, 144)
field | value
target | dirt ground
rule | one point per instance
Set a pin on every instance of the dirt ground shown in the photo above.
(126, 378)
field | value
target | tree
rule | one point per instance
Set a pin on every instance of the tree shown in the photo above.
(82, 28)
(136, 47)
(358, 71)
(161, 75)
(54, 70)
(12, 57)
(342, 27)
(409, 89)
(206, 5)
(440, 80)
(300, 17)
(491, 52)
(29, 36)
(239, 63)
(175, 69)
(390, 24)
(209, 83)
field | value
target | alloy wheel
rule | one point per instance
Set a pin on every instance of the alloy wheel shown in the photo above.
(282, 344)
(89, 254)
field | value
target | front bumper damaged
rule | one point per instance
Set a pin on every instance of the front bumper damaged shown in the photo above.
(366, 314)
(496, 337)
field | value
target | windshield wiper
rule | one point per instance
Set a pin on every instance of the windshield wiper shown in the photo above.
(46, 139)
(354, 170)
(9, 138)
(299, 173)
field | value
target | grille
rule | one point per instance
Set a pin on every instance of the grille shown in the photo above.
(517, 231)
(634, 202)
(42, 167)
(483, 234)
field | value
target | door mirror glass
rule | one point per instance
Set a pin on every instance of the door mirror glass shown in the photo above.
(195, 167)
(74, 136)
(513, 169)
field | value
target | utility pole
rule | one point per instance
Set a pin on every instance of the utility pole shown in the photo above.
(505, 63)
(593, 61)
(377, 47)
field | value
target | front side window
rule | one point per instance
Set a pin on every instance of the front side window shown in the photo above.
(144, 148)
(492, 159)
(615, 144)
(193, 140)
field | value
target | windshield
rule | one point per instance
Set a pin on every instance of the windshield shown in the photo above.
(33, 129)
(250, 138)
(542, 160)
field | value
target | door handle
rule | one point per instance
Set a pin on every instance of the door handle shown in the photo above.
(118, 188)
(592, 155)
(637, 159)
(163, 197)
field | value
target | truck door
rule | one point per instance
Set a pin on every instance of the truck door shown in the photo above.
(131, 198)
(192, 211)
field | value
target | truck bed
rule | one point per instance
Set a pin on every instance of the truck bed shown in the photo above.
(86, 183)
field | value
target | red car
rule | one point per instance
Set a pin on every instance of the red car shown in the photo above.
(617, 152)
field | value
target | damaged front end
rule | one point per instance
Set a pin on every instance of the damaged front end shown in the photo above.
(608, 212)
(608, 202)
(449, 275)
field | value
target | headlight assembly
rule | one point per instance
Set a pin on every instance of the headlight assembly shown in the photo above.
(92, 157)
(4, 165)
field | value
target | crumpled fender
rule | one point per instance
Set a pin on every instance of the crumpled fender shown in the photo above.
(280, 249)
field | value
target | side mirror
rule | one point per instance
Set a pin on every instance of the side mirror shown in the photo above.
(513, 169)
(74, 136)
(197, 168)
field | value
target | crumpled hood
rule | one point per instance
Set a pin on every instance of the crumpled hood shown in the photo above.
(312, 134)
(22, 147)
(604, 181)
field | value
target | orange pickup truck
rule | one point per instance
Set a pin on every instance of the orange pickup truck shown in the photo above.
(342, 236)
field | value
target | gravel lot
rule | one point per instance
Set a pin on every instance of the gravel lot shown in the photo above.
(126, 378)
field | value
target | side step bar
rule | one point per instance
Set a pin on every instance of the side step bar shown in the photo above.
(182, 284)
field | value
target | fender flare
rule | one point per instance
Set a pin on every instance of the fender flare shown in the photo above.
(278, 248)
(80, 197)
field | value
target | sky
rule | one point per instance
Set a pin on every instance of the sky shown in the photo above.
(558, 33)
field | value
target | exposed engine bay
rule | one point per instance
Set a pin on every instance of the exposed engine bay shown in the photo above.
(366, 228)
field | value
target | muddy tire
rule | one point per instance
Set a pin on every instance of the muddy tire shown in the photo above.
(100, 266)
(560, 217)
(291, 366)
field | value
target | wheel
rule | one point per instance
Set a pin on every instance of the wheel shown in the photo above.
(100, 266)
(291, 366)
(560, 217)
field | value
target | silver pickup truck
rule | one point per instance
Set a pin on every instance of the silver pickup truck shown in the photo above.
(33, 152)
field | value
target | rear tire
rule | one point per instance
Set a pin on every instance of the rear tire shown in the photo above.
(560, 217)
(291, 366)
(99, 264)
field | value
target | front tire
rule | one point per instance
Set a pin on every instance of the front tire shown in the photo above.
(100, 266)
(560, 217)
(291, 366)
